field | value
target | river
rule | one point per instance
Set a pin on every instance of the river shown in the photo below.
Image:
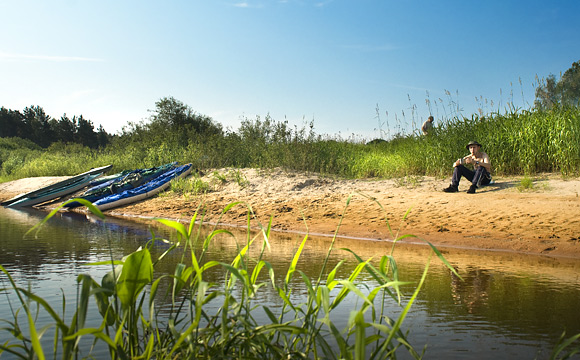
(507, 306)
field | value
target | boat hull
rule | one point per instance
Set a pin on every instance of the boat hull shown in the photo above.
(144, 191)
(56, 190)
(124, 181)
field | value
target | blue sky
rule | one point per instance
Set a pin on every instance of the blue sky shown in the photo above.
(329, 61)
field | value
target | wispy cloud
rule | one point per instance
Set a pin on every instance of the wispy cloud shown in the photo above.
(323, 3)
(370, 48)
(247, 5)
(78, 95)
(21, 57)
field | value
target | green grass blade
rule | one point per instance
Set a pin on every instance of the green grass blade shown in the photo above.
(34, 338)
(292, 266)
(360, 336)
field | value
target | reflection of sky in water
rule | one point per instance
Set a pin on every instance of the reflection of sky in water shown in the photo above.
(507, 305)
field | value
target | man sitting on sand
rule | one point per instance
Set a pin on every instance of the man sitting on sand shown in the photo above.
(479, 176)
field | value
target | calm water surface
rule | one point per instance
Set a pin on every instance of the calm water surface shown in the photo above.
(508, 306)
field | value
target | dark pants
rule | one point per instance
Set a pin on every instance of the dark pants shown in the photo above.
(478, 177)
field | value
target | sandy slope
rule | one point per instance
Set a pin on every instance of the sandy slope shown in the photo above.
(545, 220)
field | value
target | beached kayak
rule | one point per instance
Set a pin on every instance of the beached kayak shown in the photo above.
(144, 191)
(59, 189)
(125, 180)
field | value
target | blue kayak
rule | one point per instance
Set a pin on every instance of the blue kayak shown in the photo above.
(125, 180)
(144, 191)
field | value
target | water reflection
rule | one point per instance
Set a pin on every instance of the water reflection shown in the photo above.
(505, 305)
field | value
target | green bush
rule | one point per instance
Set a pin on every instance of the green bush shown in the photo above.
(525, 142)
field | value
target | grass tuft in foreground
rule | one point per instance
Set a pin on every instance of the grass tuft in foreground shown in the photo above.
(211, 320)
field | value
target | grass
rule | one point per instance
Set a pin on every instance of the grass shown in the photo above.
(129, 300)
(518, 143)
(193, 185)
(410, 181)
(529, 184)
(526, 184)
(146, 313)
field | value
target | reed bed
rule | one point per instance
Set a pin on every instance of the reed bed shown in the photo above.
(218, 320)
(129, 300)
(518, 143)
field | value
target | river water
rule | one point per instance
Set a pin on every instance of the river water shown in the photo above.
(507, 306)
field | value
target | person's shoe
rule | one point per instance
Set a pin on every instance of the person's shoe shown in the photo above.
(451, 189)
(472, 189)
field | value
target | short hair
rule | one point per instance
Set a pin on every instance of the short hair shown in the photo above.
(430, 117)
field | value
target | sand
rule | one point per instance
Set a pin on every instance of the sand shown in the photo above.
(542, 220)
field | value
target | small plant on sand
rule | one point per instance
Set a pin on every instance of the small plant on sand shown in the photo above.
(219, 177)
(190, 186)
(409, 181)
(231, 175)
(239, 177)
(526, 184)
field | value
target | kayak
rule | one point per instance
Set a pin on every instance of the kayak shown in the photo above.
(125, 180)
(56, 190)
(144, 191)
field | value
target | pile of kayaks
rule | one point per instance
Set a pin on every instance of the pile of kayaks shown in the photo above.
(56, 190)
(107, 192)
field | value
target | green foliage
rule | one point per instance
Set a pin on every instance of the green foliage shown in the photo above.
(563, 92)
(190, 186)
(207, 320)
(35, 125)
(518, 142)
(172, 123)
(526, 184)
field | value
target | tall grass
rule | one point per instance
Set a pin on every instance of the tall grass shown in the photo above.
(134, 324)
(145, 313)
(518, 143)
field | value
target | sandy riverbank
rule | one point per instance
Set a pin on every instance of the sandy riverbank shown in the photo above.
(544, 220)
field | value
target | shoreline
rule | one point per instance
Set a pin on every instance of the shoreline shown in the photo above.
(542, 221)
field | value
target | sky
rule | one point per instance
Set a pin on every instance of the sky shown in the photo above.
(358, 69)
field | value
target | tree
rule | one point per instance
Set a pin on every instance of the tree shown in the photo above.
(102, 136)
(171, 114)
(37, 123)
(565, 91)
(64, 129)
(10, 123)
(85, 132)
(570, 85)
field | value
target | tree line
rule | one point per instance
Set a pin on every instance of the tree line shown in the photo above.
(173, 122)
(34, 124)
(564, 91)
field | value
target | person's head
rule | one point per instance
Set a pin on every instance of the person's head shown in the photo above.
(473, 147)
(430, 119)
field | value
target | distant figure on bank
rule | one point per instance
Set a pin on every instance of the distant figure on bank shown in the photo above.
(480, 175)
(427, 125)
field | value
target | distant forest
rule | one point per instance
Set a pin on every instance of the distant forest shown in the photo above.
(35, 125)
(175, 122)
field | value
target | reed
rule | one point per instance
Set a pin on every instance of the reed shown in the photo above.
(518, 142)
(129, 300)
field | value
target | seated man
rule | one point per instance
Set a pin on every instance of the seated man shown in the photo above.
(479, 176)
(427, 125)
